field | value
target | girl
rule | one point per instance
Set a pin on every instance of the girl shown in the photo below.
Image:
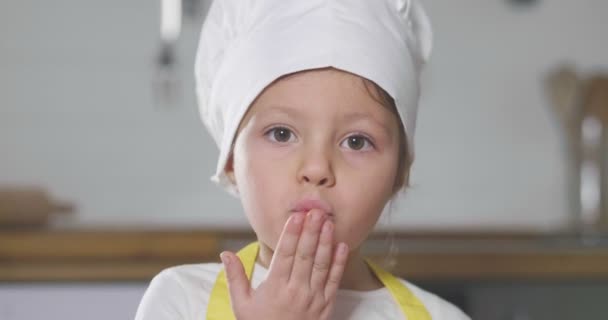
(313, 105)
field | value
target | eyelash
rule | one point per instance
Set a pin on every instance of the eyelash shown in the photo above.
(354, 135)
(273, 129)
(365, 138)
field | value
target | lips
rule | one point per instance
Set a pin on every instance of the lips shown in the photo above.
(307, 204)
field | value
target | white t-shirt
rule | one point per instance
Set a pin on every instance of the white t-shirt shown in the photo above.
(182, 293)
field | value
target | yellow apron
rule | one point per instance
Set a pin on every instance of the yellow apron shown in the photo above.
(219, 301)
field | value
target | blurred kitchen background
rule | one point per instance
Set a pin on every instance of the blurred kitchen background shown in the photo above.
(105, 165)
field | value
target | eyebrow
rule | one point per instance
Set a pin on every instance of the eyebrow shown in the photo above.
(356, 116)
(282, 109)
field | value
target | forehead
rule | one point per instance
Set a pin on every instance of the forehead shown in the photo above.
(323, 92)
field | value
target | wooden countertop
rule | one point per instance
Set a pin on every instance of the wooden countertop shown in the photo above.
(137, 255)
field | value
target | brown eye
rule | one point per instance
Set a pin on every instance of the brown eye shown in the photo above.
(357, 143)
(280, 134)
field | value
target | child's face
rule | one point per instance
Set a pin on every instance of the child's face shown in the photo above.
(316, 134)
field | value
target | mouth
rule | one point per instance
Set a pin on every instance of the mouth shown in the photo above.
(307, 204)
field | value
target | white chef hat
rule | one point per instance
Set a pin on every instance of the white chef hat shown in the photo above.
(247, 44)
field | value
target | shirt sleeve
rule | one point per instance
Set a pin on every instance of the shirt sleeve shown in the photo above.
(165, 299)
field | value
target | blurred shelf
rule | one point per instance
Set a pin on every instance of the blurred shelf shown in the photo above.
(137, 255)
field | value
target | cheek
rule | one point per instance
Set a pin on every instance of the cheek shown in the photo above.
(254, 176)
(359, 214)
(261, 180)
(369, 175)
(259, 164)
(369, 188)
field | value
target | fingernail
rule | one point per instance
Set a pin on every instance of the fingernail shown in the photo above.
(225, 258)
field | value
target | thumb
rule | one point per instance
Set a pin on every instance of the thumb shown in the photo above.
(238, 284)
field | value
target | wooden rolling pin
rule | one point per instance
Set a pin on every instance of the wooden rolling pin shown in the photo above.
(596, 105)
(28, 207)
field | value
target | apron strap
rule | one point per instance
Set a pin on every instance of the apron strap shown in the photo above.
(219, 307)
(409, 304)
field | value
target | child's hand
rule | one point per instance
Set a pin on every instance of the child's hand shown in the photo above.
(303, 277)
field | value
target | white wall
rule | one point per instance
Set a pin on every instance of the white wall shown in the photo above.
(77, 114)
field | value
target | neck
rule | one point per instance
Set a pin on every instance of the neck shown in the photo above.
(357, 275)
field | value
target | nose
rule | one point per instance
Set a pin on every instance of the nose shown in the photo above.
(316, 168)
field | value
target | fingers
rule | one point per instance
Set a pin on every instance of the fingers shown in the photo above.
(238, 284)
(282, 261)
(323, 257)
(336, 271)
(305, 255)
(307, 248)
